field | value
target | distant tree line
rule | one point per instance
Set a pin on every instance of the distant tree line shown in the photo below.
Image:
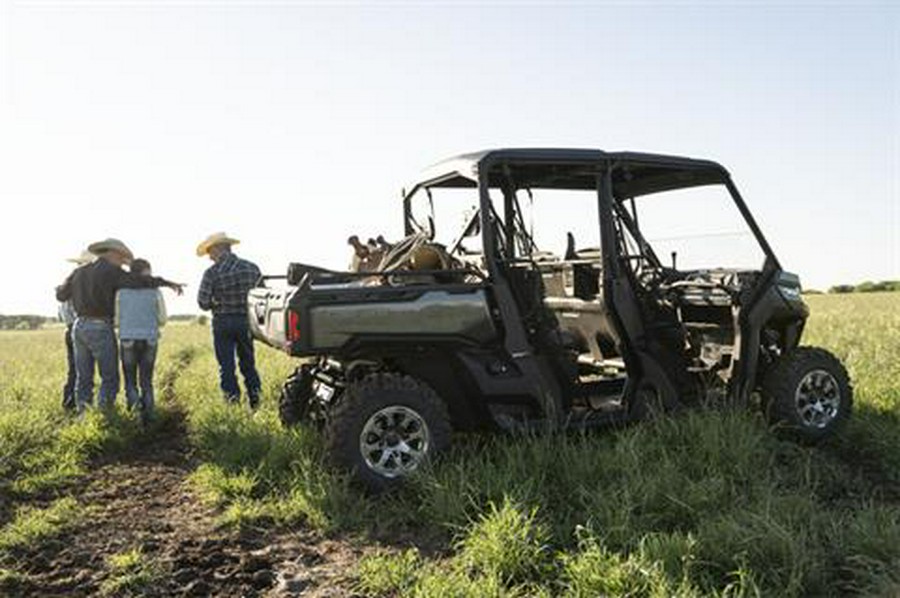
(33, 322)
(867, 287)
(23, 322)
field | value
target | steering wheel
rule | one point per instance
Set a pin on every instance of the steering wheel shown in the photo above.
(650, 278)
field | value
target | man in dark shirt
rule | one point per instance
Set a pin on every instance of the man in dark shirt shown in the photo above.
(67, 315)
(224, 290)
(92, 290)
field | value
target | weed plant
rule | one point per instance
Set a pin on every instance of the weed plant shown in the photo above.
(131, 573)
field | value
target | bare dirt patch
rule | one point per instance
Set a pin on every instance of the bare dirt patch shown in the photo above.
(141, 500)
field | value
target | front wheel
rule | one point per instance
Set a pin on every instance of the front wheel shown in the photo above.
(384, 427)
(807, 394)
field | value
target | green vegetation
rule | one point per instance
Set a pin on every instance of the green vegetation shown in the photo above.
(253, 467)
(705, 503)
(31, 524)
(23, 322)
(130, 572)
(11, 580)
(867, 287)
(44, 448)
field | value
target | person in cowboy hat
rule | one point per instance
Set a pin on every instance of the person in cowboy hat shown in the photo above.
(223, 290)
(92, 290)
(67, 315)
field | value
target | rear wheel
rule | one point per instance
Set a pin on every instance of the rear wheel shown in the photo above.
(807, 394)
(385, 426)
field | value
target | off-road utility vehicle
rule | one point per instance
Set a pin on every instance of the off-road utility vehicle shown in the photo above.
(471, 321)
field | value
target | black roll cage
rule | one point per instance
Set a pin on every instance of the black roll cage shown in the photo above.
(493, 169)
(616, 178)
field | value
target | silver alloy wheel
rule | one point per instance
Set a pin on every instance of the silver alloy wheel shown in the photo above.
(394, 441)
(817, 399)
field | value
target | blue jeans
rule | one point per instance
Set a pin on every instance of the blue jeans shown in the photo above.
(95, 341)
(231, 335)
(69, 402)
(138, 360)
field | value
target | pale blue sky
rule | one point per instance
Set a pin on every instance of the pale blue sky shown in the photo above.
(293, 125)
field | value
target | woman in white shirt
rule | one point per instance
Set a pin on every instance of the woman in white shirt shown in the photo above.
(140, 313)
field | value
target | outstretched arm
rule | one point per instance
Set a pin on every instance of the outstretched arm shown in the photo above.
(129, 280)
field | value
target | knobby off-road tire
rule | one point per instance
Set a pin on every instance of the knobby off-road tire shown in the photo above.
(293, 404)
(807, 395)
(384, 427)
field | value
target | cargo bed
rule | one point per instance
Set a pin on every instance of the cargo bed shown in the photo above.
(328, 312)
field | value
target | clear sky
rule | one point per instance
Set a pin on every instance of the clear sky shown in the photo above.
(291, 125)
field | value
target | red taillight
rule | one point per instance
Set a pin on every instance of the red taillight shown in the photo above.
(293, 329)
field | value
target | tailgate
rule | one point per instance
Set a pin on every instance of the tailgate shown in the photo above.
(268, 310)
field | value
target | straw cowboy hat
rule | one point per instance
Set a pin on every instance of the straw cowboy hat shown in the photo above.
(111, 245)
(86, 257)
(213, 240)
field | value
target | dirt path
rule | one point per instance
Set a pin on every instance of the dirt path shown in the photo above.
(141, 500)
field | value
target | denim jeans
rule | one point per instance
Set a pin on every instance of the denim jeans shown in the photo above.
(68, 401)
(95, 341)
(138, 360)
(231, 335)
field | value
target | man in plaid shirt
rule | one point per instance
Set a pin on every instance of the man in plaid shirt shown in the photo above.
(224, 291)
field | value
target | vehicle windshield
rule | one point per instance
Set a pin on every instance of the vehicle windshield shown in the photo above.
(700, 226)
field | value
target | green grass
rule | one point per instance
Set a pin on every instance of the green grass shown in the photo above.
(385, 572)
(259, 471)
(704, 504)
(708, 503)
(12, 581)
(507, 543)
(44, 451)
(44, 448)
(130, 574)
(33, 524)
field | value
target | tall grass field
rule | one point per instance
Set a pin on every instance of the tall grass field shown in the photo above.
(705, 503)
